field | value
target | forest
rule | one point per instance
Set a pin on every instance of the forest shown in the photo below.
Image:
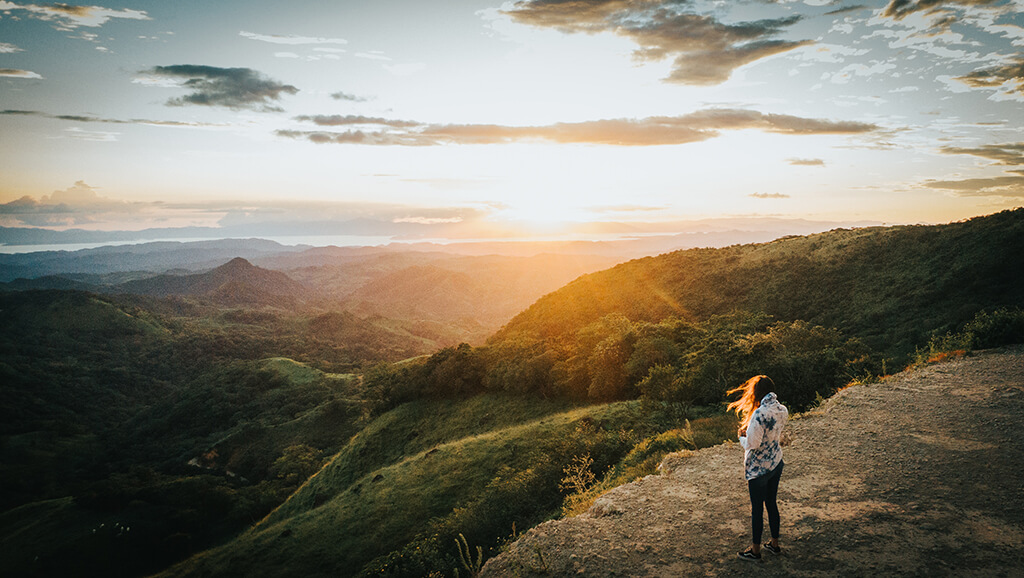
(196, 423)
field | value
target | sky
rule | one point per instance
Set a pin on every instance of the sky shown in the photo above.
(471, 119)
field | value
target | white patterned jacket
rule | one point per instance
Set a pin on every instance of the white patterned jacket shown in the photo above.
(764, 432)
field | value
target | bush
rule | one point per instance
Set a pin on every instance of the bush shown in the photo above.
(1000, 327)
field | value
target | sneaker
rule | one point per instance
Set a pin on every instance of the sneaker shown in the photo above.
(768, 546)
(749, 554)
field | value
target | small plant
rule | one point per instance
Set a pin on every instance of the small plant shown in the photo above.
(578, 477)
(471, 564)
(542, 565)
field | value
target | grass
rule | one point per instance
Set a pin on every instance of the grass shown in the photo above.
(384, 487)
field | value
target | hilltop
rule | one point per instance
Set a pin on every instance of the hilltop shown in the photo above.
(237, 281)
(915, 475)
(889, 286)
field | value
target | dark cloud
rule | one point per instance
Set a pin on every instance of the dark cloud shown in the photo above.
(845, 9)
(234, 88)
(1009, 76)
(898, 9)
(806, 162)
(705, 49)
(698, 126)
(1004, 186)
(1003, 154)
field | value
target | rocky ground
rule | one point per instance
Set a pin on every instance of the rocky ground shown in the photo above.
(920, 474)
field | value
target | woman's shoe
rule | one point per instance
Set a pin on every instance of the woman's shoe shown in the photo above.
(749, 554)
(773, 549)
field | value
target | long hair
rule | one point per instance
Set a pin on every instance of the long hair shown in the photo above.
(751, 393)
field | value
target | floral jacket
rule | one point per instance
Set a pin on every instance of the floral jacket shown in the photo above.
(763, 452)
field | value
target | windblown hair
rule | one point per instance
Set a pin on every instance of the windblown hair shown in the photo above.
(751, 393)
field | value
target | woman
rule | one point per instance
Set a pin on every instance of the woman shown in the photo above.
(762, 418)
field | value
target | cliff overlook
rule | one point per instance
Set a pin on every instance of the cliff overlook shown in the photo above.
(915, 475)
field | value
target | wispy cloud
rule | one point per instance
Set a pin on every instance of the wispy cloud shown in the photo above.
(91, 135)
(705, 49)
(291, 39)
(1002, 186)
(806, 162)
(899, 9)
(695, 127)
(1003, 154)
(1006, 79)
(349, 97)
(67, 17)
(88, 118)
(8, 48)
(234, 88)
(16, 73)
(769, 195)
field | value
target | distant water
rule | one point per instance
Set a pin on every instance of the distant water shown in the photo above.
(327, 240)
(314, 241)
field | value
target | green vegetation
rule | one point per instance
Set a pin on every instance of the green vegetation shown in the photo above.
(889, 287)
(230, 432)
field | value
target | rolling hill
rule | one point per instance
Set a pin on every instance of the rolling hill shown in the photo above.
(891, 287)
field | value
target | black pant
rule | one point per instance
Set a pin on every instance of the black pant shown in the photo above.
(763, 492)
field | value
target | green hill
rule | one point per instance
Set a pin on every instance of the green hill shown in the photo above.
(891, 287)
(403, 488)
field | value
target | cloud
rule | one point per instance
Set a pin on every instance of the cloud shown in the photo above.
(806, 162)
(605, 209)
(85, 118)
(234, 88)
(291, 40)
(1004, 186)
(899, 9)
(82, 206)
(7, 48)
(76, 205)
(343, 120)
(1006, 79)
(1003, 154)
(694, 127)
(348, 97)
(705, 50)
(92, 135)
(768, 195)
(15, 73)
(427, 220)
(845, 9)
(66, 17)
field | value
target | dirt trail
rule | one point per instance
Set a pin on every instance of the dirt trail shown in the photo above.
(917, 475)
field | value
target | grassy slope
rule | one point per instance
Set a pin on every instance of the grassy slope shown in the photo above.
(889, 286)
(380, 491)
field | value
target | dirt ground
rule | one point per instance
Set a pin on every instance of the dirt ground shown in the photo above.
(920, 475)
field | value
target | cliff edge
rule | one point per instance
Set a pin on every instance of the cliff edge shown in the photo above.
(919, 474)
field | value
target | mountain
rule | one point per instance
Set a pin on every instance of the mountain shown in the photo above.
(237, 281)
(891, 287)
(155, 257)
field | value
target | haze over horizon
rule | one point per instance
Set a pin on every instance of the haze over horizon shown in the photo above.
(482, 119)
